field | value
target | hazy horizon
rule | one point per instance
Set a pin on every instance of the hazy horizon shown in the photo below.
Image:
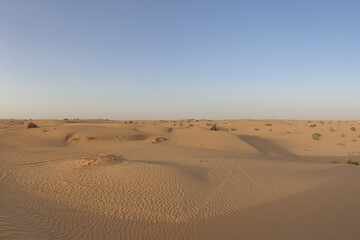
(191, 59)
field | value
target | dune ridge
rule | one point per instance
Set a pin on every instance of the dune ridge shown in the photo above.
(251, 179)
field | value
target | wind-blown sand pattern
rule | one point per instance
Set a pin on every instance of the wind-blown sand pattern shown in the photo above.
(251, 179)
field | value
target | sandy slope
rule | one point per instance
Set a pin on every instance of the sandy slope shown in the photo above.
(100, 179)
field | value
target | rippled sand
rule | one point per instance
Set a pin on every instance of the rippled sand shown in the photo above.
(251, 179)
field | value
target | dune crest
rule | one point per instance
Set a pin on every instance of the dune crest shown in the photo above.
(184, 179)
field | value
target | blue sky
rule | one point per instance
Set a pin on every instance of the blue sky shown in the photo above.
(180, 59)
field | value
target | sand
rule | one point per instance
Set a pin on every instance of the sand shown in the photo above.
(251, 179)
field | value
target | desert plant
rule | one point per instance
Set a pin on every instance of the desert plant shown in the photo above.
(256, 129)
(90, 138)
(316, 136)
(213, 128)
(233, 129)
(349, 161)
(313, 125)
(332, 130)
(353, 129)
(32, 125)
(343, 135)
(270, 130)
(160, 139)
(268, 124)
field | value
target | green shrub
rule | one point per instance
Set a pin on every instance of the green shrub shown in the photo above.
(213, 128)
(32, 125)
(233, 129)
(352, 162)
(316, 136)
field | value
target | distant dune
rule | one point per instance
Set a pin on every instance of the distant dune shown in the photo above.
(244, 179)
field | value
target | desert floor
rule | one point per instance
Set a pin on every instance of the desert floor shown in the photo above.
(251, 179)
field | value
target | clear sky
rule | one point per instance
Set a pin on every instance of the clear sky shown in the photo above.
(180, 59)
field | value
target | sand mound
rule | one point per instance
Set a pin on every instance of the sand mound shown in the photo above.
(157, 139)
(101, 160)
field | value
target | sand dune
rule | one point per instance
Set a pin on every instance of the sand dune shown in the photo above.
(251, 179)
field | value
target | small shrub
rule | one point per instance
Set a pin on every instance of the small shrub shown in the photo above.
(354, 140)
(32, 125)
(256, 129)
(316, 136)
(349, 161)
(313, 125)
(268, 124)
(233, 129)
(90, 138)
(322, 122)
(270, 130)
(343, 135)
(353, 129)
(191, 125)
(160, 139)
(332, 130)
(213, 128)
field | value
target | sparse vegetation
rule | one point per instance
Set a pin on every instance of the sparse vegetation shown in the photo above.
(32, 125)
(343, 135)
(353, 129)
(270, 130)
(160, 139)
(350, 161)
(322, 122)
(214, 128)
(233, 129)
(316, 136)
(256, 129)
(332, 129)
(313, 125)
(90, 138)
(268, 124)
